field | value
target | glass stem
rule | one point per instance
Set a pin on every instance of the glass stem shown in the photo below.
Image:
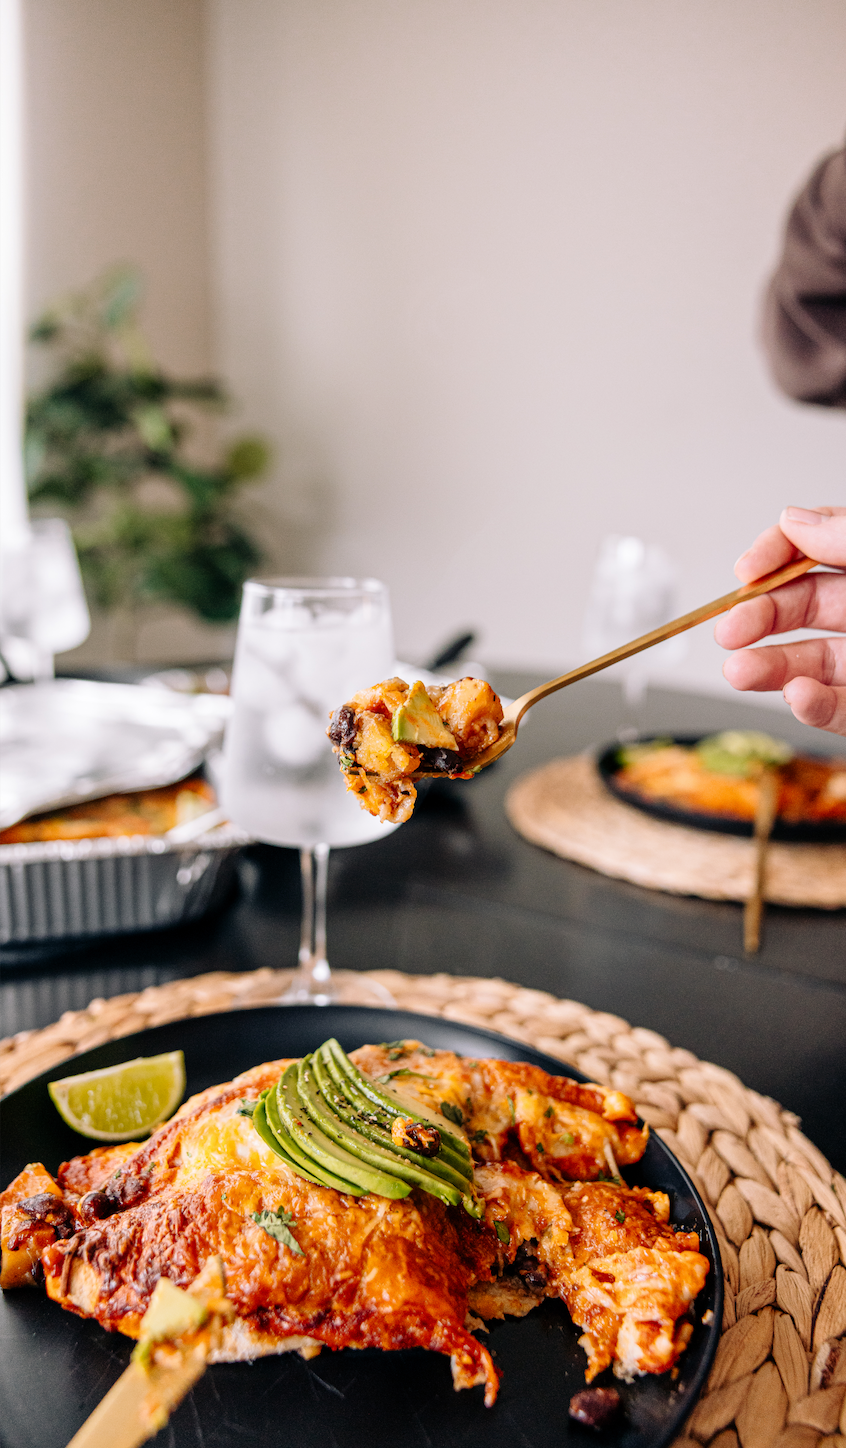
(313, 974)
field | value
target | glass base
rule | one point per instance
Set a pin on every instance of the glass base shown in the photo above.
(345, 988)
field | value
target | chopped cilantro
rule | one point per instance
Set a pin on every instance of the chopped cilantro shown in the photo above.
(452, 1113)
(246, 1108)
(396, 1049)
(479, 1136)
(503, 1231)
(550, 1111)
(539, 1148)
(277, 1225)
(620, 1216)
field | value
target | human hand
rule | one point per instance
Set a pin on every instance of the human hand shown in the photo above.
(811, 674)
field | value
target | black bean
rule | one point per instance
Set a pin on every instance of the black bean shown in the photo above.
(128, 1191)
(341, 730)
(38, 1206)
(49, 1210)
(117, 1195)
(595, 1407)
(442, 761)
(529, 1268)
(97, 1205)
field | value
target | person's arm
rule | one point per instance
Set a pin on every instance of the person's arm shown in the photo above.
(804, 323)
(811, 673)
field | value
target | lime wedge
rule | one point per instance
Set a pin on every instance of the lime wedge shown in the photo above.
(121, 1103)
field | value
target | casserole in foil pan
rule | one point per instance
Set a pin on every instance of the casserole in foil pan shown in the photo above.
(65, 741)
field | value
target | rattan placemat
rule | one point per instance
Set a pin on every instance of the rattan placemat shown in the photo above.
(779, 1379)
(565, 807)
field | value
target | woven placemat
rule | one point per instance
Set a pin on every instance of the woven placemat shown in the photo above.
(779, 1210)
(565, 807)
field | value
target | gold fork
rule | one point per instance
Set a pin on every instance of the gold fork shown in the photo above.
(514, 713)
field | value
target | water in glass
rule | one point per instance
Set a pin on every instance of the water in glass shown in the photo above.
(303, 648)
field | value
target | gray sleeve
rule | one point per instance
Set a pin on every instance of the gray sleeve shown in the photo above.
(804, 323)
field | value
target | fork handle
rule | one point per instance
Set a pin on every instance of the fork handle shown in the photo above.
(766, 584)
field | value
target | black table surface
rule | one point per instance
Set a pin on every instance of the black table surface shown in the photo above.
(457, 890)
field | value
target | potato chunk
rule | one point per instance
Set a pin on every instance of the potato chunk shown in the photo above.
(472, 712)
(22, 1237)
(378, 752)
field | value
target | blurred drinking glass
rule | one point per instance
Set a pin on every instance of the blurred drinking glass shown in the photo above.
(42, 603)
(305, 645)
(633, 591)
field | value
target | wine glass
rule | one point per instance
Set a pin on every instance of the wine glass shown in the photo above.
(304, 646)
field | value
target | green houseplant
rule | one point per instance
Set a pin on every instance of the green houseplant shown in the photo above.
(111, 441)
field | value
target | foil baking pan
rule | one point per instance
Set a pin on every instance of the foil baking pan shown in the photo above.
(110, 886)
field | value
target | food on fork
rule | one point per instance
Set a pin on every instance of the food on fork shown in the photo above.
(722, 774)
(389, 735)
(391, 1199)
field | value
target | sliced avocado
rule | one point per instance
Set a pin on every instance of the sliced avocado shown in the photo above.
(347, 1089)
(453, 1149)
(325, 1152)
(369, 1109)
(303, 1163)
(378, 1135)
(417, 721)
(171, 1313)
(386, 1101)
(261, 1125)
(347, 1136)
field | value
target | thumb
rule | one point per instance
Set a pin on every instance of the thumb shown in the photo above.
(819, 534)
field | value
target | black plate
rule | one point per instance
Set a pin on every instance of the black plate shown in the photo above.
(54, 1367)
(823, 832)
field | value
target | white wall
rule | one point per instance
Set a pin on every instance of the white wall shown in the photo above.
(116, 164)
(489, 271)
(116, 171)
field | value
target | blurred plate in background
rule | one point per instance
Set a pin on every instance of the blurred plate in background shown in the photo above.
(816, 832)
